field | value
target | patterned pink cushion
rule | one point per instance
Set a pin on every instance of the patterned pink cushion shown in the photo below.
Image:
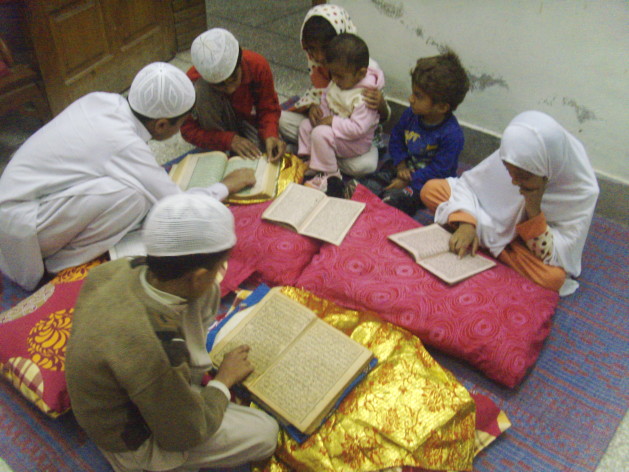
(496, 320)
(265, 251)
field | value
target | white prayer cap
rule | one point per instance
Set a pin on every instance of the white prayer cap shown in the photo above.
(185, 224)
(215, 54)
(161, 90)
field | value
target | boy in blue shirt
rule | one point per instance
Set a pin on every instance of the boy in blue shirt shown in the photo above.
(425, 144)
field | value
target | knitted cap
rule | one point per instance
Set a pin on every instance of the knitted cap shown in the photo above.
(185, 224)
(215, 54)
(161, 90)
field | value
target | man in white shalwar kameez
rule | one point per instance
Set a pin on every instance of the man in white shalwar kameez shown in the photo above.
(88, 177)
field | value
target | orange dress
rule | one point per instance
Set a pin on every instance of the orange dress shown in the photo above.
(516, 254)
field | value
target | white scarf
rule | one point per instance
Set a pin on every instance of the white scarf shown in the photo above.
(536, 143)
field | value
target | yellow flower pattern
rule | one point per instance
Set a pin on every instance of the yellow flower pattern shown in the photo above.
(47, 340)
(77, 273)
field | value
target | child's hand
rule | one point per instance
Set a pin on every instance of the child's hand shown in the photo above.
(325, 121)
(275, 148)
(373, 98)
(403, 171)
(240, 178)
(464, 238)
(235, 367)
(533, 199)
(245, 148)
(315, 114)
(397, 184)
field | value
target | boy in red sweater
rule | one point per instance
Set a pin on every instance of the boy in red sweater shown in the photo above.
(237, 108)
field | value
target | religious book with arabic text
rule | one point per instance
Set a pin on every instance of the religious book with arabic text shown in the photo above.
(312, 213)
(430, 247)
(302, 364)
(207, 168)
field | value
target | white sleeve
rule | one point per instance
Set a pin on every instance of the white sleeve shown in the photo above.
(136, 166)
(218, 191)
(221, 386)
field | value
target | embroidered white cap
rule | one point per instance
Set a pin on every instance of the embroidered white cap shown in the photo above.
(161, 90)
(215, 54)
(184, 224)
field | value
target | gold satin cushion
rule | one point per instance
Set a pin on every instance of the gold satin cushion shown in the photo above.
(407, 411)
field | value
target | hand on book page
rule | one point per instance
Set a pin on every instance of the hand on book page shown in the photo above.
(302, 364)
(239, 179)
(235, 367)
(464, 239)
(245, 148)
(431, 248)
(246, 179)
(275, 148)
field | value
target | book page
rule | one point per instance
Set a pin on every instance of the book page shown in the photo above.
(130, 245)
(209, 170)
(333, 220)
(294, 205)
(271, 326)
(424, 242)
(451, 269)
(311, 373)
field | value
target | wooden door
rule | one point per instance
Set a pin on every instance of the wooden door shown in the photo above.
(88, 45)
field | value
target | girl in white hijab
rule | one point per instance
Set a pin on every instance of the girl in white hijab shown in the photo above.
(530, 203)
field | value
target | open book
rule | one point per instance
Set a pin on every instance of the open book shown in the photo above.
(207, 168)
(302, 364)
(312, 213)
(429, 246)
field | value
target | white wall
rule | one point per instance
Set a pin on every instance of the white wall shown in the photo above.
(568, 58)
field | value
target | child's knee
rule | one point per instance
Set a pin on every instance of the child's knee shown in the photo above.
(322, 133)
(267, 439)
(434, 192)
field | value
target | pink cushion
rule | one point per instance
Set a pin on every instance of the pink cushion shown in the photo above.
(33, 346)
(496, 320)
(265, 251)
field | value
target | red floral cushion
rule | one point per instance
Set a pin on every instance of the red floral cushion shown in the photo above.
(497, 320)
(33, 339)
(265, 251)
(32, 347)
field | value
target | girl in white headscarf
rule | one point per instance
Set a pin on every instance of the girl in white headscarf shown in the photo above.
(530, 203)
(321, 24)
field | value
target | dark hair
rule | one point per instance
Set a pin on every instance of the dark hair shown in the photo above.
(348, 49)
(172, 267)
(145, 119)
(317, 30)
(442, 78)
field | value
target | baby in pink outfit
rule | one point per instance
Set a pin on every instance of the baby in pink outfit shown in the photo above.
(346, 127)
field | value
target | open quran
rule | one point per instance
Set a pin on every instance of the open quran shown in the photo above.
(302, 364)
(429, 245)
(207, 168)
(312, 213)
